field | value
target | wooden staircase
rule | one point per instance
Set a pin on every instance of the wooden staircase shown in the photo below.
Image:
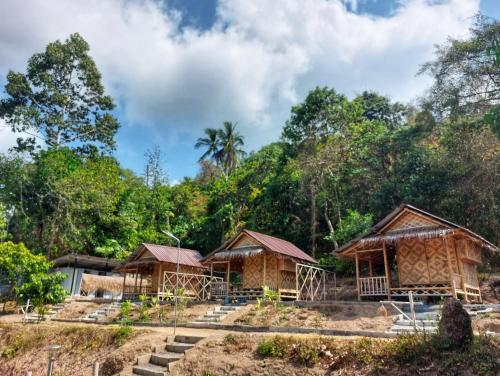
(159, 362)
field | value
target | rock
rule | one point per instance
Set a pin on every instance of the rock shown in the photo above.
(382, 311)
(455, 326)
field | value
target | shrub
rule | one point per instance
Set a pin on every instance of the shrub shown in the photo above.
(125, 311)
(275, 347)
(122, 334)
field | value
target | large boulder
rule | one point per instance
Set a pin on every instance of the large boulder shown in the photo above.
(455, 326)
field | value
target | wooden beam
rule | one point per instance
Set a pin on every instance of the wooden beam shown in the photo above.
(460, 270)
(357, 276)
(135, 284)
(387, 271)
(124, 284)
(159, 279)
(450, 268)
(370, 267)
(228, 276)
(264, 269)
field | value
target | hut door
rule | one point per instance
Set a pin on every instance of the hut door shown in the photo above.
(437, 260)
(412, 262)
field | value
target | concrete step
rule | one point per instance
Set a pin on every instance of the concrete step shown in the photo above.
(187, 339)
(150, 370)
(426, 323)
(178, 347)
(216, 313)
(164, 358)
(409, 329)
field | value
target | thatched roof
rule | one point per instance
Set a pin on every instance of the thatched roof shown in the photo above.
(431, 226)
(281, 247)
(93, 282)
(240, 252)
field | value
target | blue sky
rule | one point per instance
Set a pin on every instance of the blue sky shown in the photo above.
(176, 67)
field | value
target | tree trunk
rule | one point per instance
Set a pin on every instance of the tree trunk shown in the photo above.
(330, 228)
(314, 221)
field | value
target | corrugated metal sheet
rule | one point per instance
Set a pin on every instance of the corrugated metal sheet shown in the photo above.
(280, 246)
(165, 253)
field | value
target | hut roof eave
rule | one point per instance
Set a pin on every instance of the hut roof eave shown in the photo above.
(375, 231)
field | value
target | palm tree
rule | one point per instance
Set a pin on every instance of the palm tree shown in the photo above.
(230, 142)
(211, 142)
(223, 146)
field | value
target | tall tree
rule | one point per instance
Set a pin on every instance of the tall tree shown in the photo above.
(211, 143)
(466, 74)
(154, 174)
(231, 143)
(60, 99)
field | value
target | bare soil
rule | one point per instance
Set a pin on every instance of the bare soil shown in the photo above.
(75, 310)
(328, 316)
(487, 322)
(25, 348)
(238, 355)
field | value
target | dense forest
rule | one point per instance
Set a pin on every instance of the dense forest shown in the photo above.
(341, 163)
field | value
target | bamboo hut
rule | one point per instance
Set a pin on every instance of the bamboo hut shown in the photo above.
(251, 260)
(88, 275)
(412, 250)
(153, 270)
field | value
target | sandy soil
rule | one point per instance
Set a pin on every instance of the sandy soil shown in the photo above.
(75, 310)
(332, 316)
(487, 322)
(24, 348)
(188, 314)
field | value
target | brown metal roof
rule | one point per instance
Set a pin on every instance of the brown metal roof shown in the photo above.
(280, 246)
(165, 253)
(271, 243)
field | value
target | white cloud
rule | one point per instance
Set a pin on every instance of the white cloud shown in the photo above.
(7, 138)
(256, 61)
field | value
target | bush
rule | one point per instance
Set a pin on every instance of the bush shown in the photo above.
(122, 334)
(276, 347)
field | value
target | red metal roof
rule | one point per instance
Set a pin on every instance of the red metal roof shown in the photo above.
(165, 253)
(280, 246)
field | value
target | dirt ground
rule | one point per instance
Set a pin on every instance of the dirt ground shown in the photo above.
(329, 316)
(75, 310)
(25, 348)
(487, 322)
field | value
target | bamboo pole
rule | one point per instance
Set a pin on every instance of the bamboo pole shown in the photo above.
(96, 369)
(159, 287)
(357, 276)
(228, 276)
(264, 269)
(124, 283)
(450, 269)
(387, 271)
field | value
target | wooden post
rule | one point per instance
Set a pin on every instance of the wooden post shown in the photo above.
(264, 269)
(95, 371)
(228, 275)
(461, 271)
(450, 269)
(135, 284)
(357, 276)
(159, 281)
(370, 266)
(387, 271)
(124, 284)
(140, 285)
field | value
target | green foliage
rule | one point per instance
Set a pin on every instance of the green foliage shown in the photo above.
(271, 295)
(61, 98)
(122, 334)
(351, 226)
(125, 311)
(4, 235)
(28, 276)
(275, 347)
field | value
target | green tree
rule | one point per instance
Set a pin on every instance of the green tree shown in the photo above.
(231, 143)
(17, 264)
(60, 99)
(211, 143)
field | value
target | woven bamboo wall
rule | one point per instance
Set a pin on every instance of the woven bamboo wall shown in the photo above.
(422, 261)
(253, 271)
(409, 220)
(243, 241)
(169, 267)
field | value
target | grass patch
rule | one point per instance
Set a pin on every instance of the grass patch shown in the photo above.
(237, 342)
(122, 335)
(409, 353)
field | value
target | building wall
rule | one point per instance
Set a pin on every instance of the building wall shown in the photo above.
(77, 272)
